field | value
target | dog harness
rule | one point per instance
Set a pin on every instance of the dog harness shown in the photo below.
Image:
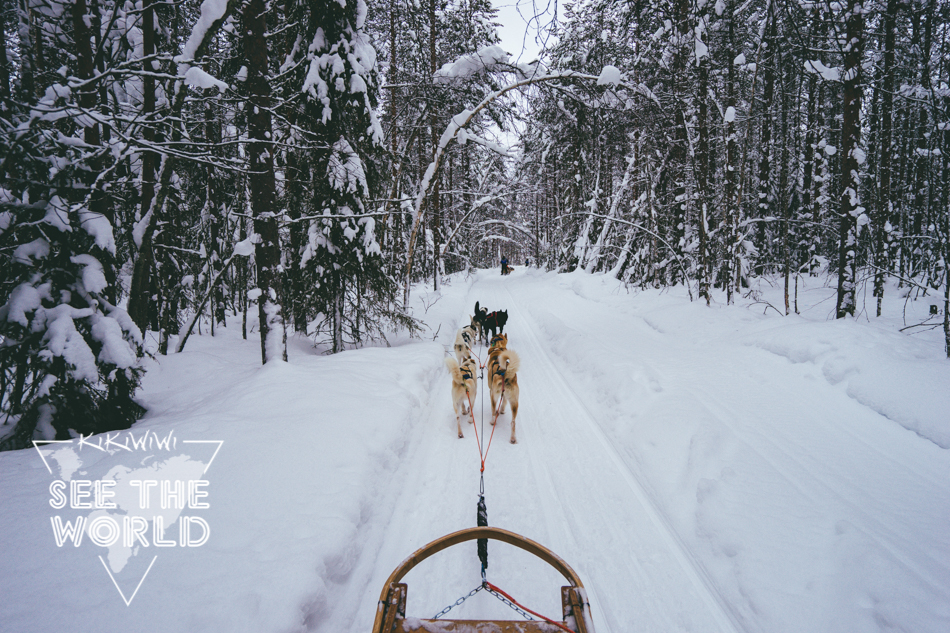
(466, 373)
(496, 339)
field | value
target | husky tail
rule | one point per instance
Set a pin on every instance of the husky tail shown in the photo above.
(453, 367)
(508, 361)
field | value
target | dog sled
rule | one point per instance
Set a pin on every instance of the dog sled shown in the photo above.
(391, 609)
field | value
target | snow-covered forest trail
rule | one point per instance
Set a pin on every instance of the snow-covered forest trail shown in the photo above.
(562, 484)
(701, 469)
(695, 484)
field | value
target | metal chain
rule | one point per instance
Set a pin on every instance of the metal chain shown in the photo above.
(516, 608)
(522, 612)
(458, 602)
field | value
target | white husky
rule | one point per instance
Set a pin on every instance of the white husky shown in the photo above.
(464, 386)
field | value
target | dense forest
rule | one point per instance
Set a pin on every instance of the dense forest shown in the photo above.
(165, 163)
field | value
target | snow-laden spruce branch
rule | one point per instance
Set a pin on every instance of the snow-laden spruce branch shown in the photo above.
(459, 122)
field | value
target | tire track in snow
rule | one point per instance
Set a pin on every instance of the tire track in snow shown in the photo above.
(716, 605)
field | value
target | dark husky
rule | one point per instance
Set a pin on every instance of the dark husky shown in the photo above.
(493, 322)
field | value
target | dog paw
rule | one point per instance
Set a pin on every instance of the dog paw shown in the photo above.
(514, 441)
(460, 435)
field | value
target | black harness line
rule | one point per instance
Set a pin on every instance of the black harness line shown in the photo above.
(481, 510)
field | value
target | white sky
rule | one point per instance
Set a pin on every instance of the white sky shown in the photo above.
(518, 37)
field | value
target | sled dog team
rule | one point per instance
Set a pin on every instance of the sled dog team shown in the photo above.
(502, 367)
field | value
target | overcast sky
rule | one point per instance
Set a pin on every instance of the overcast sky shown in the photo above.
(518, 37)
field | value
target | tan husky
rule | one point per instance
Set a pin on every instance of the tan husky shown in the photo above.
(464, 386)
(503, 366)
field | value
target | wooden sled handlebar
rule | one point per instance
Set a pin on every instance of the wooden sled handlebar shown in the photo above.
(390, 612)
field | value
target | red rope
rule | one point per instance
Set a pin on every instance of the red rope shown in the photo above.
(482, 456)
(472, 352)
(548, 620)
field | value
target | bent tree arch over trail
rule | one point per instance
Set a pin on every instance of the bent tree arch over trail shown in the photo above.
(461, 120)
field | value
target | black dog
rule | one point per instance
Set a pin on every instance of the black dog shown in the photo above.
(479, 319)
(493, 322)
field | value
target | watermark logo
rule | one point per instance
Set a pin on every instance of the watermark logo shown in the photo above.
(129, 495)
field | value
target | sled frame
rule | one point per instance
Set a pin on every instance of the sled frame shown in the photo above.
(391, 609)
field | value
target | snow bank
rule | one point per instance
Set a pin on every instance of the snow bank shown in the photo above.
(899, 377)
(305, 446)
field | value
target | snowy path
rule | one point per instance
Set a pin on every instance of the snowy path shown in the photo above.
(693, 484)
(562, 485)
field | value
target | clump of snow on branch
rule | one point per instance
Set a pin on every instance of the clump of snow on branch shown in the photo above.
(197, 78)
(699, 46)
(486, 58)
(26, 253)
(93, 279)
(115, 350)
(245, 248)
(24, 299)
(99, 227)
(828, 74)
(609, 76)
(345, 169)
(464, 136)
(211, 12)
(64, 341)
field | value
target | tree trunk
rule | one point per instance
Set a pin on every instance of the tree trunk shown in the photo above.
(4, 67)
(731, 194)
(809, 169)
(31, 49)
(921, 188)
(768, 95)
(139, 295)
(702, 177)
(262, 184)
(850, 141)
(434, 206)
(885, 205)
(85, 69)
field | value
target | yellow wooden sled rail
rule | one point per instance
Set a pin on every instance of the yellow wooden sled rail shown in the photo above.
(391, 609)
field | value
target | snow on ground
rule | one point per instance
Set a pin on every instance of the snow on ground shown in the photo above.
(702, 469)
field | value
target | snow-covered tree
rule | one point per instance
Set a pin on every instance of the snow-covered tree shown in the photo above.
(69, 356)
